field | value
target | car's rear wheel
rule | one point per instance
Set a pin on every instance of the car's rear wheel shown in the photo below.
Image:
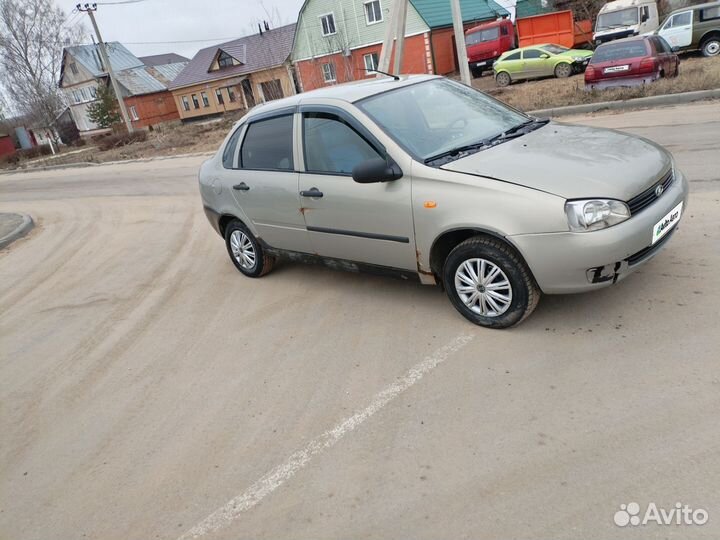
(245, 252)
(489, 284)
(711, 46)
(563, 70)
(502, 79)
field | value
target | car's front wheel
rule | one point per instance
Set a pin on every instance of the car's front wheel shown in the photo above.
(245, 252)
(489, 284)
(563, 70)
(503, 79)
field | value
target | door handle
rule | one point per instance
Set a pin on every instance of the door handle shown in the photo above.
(242, 186)
(314, 192)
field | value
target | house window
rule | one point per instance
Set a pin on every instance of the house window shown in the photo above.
(133, 113)
(328, 24)
(371, 62)
(206, 101)
(329, 72)
(77, 97)
(219, 96)
(93, 91)
(231, 95)
(224, 60)
(272, 89)
(186, 103)
(73, 68)
(196, 103)
(373, 13)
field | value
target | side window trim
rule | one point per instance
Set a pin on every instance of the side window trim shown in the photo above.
(353, 122)
(286, 111)
(241, 139)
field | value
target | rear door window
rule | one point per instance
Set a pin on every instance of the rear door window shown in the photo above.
(513, 56)
(710, 14)
(268, 145)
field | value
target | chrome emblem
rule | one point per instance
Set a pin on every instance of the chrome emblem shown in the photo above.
(659, 190)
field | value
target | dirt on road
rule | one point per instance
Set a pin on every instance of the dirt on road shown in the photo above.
(148, 390)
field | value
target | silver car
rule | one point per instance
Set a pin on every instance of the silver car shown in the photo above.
(426, 178)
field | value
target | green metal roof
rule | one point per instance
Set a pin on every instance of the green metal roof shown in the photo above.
(529, 8)
(437, 13)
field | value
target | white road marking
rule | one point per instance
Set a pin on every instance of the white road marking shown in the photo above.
(279, 475)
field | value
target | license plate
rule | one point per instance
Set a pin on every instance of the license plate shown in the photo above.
(481, 64)
(615, 69)
(666, 224)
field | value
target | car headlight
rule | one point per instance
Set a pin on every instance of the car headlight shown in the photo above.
(578, 58)
(595, 214)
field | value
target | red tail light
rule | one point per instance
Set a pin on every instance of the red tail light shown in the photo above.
(648, 65)
(589, 73)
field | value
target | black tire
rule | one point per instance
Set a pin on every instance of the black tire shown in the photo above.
(263, 263)
(563, 70)
(524, 293)
(503, 79)
(711, 46)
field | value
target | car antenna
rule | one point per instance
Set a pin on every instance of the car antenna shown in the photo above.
(382, 72)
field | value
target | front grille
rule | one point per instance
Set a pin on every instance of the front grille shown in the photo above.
(648, 251)
(647, 197)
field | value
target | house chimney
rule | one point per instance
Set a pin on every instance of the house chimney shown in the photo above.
(267, 26)
(260, 28)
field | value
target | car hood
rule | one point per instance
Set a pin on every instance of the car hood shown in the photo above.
(572, 161)
(576, 52)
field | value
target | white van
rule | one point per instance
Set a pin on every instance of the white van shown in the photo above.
(624, 18)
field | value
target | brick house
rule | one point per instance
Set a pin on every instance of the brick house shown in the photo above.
(340, 40)
(7, 145)
(236, 75)
(144, 88)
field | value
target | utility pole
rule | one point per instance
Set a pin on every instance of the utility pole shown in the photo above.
(387, 46)
(400, 37)
(90, 9)
(460, 42)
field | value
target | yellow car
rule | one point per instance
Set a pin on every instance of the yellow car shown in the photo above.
(540, 61)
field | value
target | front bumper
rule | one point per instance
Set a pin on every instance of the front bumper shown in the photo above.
(568, 262)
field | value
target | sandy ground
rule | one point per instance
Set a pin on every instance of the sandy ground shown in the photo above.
(145, 384)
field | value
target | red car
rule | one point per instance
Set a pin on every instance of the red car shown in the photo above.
(631, 61)
(486, 42)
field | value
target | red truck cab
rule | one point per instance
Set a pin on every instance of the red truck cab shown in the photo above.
(486, 42)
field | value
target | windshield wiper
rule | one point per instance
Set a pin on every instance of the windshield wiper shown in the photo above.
(516, 131)
(453, 152)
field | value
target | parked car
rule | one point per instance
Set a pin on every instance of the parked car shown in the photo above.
(539, 61)
(424, 177)
(631, 61)
(693, 28)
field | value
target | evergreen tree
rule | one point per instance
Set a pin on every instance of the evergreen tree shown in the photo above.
(104, 112)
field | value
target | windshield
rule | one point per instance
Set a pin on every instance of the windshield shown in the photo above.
(489, 34)
(617, 19)
(437, 115)
(555, 49)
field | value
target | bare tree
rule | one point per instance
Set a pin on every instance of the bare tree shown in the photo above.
(32, 36)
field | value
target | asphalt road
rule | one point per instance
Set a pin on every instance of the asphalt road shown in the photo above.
(148, 390)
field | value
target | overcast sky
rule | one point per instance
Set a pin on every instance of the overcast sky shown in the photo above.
(181, 20)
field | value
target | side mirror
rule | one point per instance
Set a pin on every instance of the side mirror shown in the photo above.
(544, 56)
(644, 17)
(376, 170)
(675, 48)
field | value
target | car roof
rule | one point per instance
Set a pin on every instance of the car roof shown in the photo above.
(350, 92)
(626, 40)
(694, 8)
